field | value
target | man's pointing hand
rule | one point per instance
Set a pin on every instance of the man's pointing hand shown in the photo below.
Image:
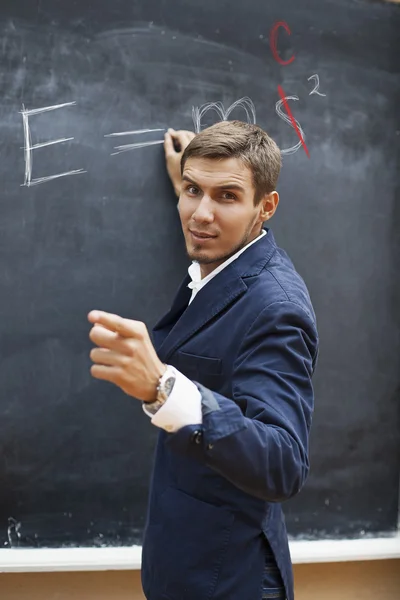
(125, 355)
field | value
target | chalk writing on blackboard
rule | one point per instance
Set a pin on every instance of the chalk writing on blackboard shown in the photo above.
(29, 147)
(13, 532)
(315, 90)
(289, 118)
(198, 113)
(246, 103)
(273, 38)
(126, 147)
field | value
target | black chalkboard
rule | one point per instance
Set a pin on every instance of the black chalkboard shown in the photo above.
(76, 454)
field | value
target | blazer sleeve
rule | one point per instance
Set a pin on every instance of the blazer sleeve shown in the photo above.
(259, 438)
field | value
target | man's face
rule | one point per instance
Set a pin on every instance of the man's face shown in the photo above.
(217, 199)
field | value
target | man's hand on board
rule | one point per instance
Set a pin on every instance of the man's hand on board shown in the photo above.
(174, 145)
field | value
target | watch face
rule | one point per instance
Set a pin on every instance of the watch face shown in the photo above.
(168, 385)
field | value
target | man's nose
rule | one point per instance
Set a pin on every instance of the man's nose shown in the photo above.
(204, 210)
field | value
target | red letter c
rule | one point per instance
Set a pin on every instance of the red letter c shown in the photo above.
(273, 40)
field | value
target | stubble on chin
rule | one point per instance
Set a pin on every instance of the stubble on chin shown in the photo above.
(194, 252)
(206, 259)
(197, 256)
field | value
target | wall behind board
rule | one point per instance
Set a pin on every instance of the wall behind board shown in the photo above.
(75, 455)
(377, 580)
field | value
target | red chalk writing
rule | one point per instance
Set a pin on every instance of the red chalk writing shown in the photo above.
(273, 39)
(292, 120)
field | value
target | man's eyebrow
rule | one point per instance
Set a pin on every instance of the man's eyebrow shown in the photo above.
(186, 178)
(224, 186)
(229, 186)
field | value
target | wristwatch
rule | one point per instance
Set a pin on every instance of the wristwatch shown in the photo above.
(164, 388)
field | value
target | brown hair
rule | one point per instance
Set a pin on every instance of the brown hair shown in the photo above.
(249, 143)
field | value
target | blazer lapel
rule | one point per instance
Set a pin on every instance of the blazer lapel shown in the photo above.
(221, 291)
(165, 324)
(183, 321)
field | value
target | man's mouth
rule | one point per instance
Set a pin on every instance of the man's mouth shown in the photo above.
(199, 235)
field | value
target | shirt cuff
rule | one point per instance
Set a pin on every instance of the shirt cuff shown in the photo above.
(182, 407)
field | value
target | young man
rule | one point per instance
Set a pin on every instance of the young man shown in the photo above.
(228, 382)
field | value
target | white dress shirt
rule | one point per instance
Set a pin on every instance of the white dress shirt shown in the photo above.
(183, 406)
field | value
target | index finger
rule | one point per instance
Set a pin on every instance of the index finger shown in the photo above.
(184, 137)
(112, 322)
(169, 144)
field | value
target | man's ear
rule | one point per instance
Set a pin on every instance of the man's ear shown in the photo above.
(268, 205)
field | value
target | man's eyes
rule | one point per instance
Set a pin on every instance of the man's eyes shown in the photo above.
(193, 190)
(228, 196)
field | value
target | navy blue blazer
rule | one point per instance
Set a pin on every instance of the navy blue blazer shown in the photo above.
(249, 342)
